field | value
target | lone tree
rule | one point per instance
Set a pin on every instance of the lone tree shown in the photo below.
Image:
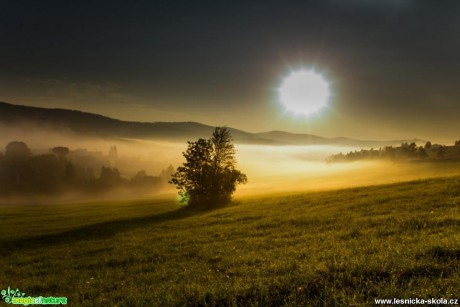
(208, 177)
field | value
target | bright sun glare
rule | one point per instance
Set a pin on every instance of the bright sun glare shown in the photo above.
(304, 92)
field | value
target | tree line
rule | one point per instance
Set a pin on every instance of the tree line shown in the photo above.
(61, 170)
(405, 152)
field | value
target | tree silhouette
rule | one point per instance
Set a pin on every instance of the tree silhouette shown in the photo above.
(60, 151)
(16, 169)
(17, 149)
(110, 177)
(209, 176)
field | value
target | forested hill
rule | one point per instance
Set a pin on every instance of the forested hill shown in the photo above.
(98, 125)
(405, 152)
(101, 126)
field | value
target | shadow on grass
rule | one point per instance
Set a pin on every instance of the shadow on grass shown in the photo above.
(95, 231)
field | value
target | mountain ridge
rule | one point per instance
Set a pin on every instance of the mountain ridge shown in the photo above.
(98, 125)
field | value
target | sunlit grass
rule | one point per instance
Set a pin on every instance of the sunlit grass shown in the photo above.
(328, 248)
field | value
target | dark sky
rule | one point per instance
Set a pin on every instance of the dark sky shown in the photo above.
(393, 66)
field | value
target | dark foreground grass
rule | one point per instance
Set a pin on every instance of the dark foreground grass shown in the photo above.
(336, 248)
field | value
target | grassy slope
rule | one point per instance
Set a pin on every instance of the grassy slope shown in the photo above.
(330, 248)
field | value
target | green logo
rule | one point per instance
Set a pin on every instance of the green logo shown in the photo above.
(17, 297)
(9, 294)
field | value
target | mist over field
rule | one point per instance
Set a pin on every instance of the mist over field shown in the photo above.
(270, 169)
(278, 169)
(134, 155)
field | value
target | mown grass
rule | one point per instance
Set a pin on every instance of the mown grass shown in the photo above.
(336, 248)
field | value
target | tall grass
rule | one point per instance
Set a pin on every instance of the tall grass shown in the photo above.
(343, 247)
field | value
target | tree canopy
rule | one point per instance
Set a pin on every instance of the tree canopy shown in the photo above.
(209, 176)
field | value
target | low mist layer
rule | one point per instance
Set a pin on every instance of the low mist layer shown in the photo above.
(270, 169)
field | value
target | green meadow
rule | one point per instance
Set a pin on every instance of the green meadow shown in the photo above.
(335, 248)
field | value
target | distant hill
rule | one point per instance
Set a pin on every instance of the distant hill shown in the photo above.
(303, 139)
(101, 126)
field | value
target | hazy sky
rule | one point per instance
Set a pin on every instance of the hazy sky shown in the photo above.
(393, 65)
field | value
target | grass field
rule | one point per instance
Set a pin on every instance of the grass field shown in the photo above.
(335, 248)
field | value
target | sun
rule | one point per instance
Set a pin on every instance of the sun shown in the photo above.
(304, 92)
